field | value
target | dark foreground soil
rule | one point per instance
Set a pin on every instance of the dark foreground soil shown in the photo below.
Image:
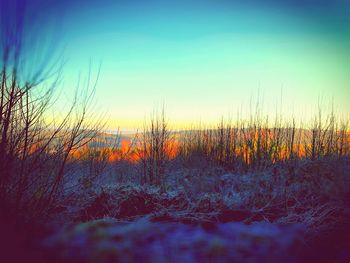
(148, 240)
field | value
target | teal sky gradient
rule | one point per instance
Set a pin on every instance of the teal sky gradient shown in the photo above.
(207, 59)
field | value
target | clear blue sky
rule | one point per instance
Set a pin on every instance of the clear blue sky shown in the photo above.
(204, 59)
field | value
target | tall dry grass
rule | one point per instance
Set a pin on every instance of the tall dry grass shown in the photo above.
(256, 144)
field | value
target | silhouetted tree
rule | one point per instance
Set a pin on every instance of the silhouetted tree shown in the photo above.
(34, 151)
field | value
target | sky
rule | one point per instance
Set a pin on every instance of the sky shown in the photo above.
(202, 59)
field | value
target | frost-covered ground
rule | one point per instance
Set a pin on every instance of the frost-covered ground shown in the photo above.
(286, 213)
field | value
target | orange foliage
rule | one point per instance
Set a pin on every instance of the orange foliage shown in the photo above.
(33, 148)
(172, 149)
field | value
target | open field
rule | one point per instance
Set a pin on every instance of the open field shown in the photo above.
(184, 184)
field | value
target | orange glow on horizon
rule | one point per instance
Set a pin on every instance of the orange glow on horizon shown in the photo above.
(256, 145)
